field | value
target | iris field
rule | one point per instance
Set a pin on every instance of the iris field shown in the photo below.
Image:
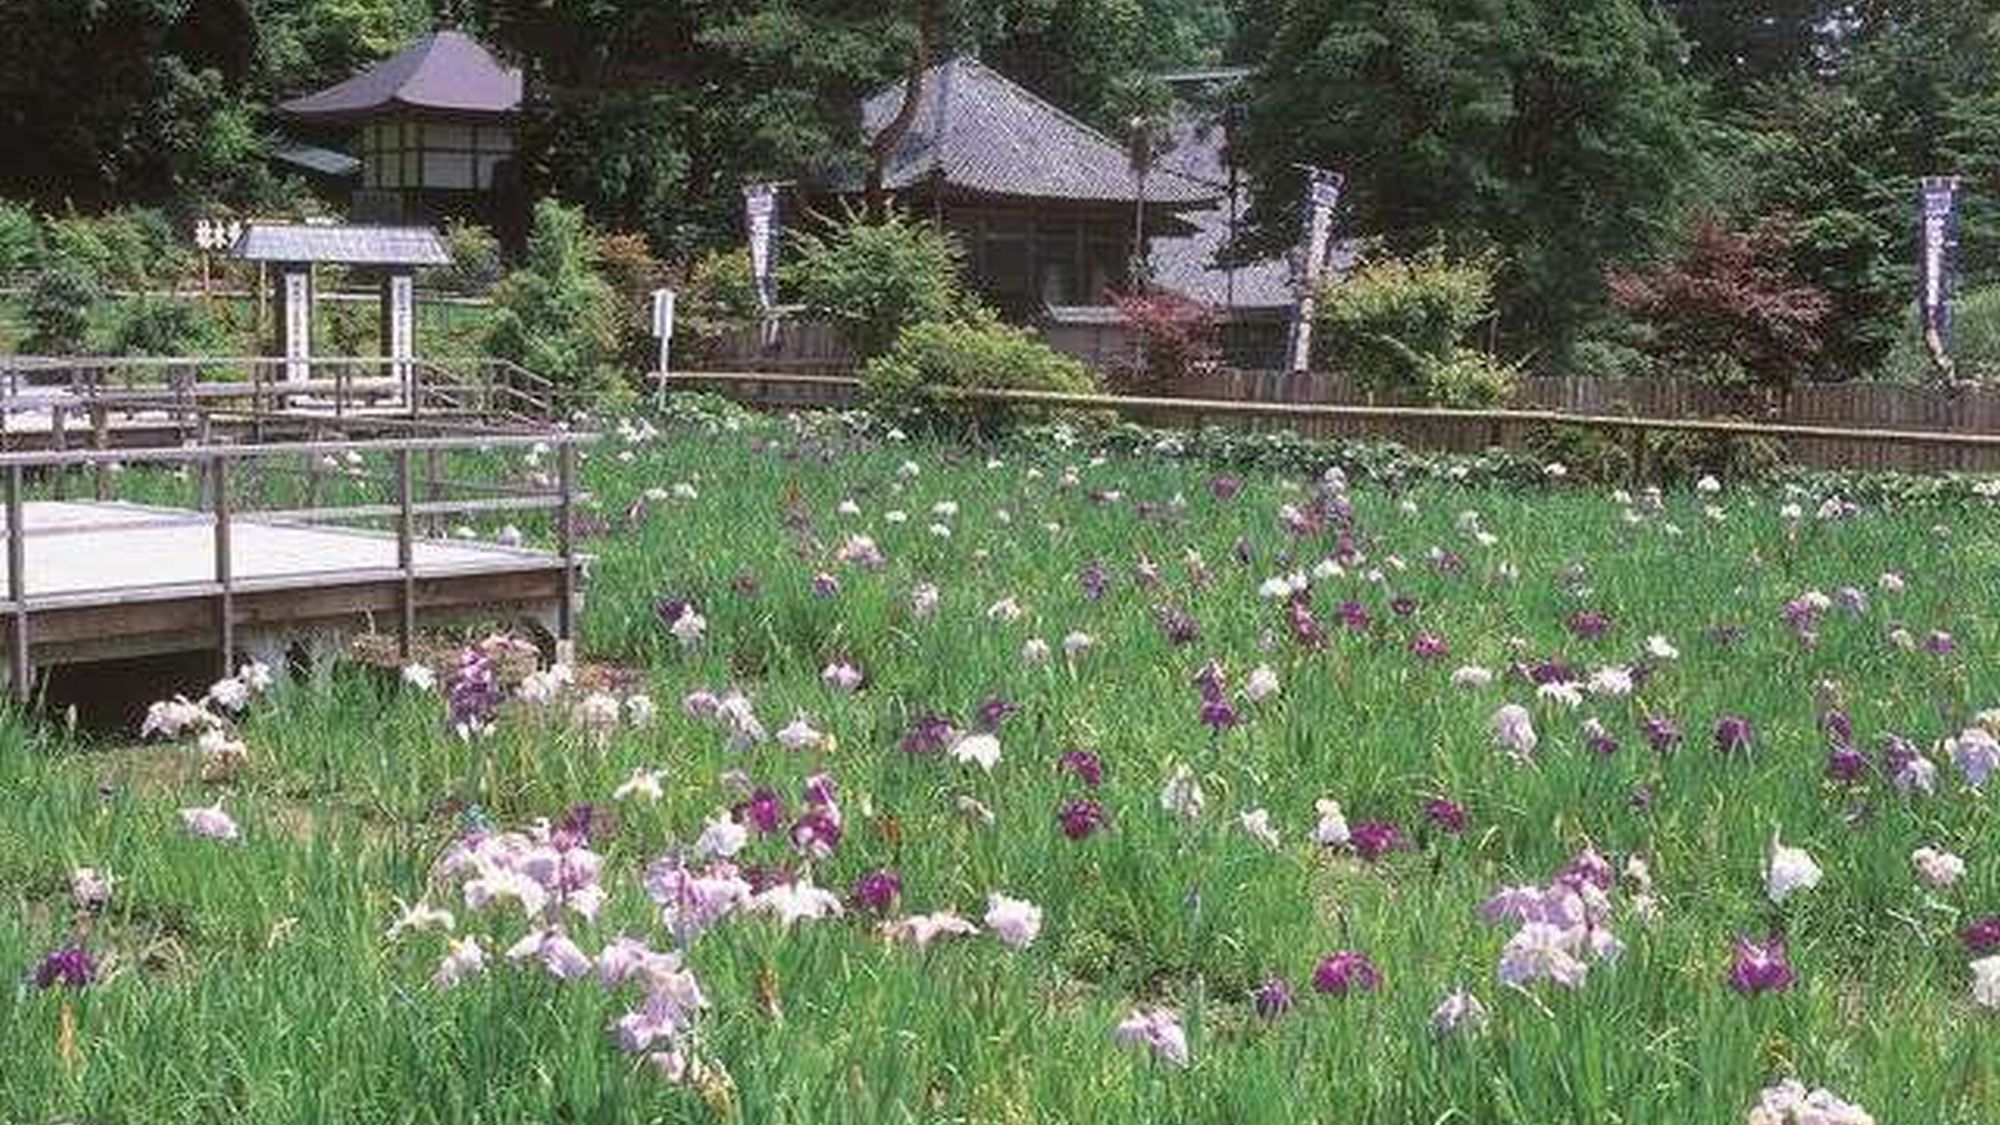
(909, 781)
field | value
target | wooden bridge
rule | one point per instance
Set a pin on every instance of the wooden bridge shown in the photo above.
(246, 517)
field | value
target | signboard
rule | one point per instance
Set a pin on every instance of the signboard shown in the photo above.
(298, 324)
(1315, 239)
(760, 216)
(1940, 254)
(402, 327)
(663, 330)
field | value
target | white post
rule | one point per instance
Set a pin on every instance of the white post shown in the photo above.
(1322, 194)
(402, 332)
(663, 328)
(297, 297)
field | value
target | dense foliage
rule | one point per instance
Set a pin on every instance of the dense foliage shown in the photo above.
(915, 378)
(1402, 326)
(556, 316)
(874, 279)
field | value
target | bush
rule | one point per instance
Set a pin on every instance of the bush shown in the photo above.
(1174, 337)
(58, 307)
(476, 264)
(1398, 326)
(979, 354)
(1975, 344)
(1727, 308)
(20, 238)
(627, 264)
(876, 279)
(719, 295)
(555, 316)
(165, 326)
(133, 249)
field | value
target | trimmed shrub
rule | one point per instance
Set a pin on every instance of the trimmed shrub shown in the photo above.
(1398, 326)
(555, 316)
(165, 326)
(876, 279)
(57, 307)
(980, 354)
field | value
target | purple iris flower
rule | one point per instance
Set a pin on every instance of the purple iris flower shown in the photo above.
(1372, 839)
(816, 833)
(1180, 629)
(1305, 627)
(1354, 615)
(1346, 971)
(1093, 580)
(72, 966)
(993, 712)
(1845, 763)
(1589, 624)
(763, 811)
(930, 734)
(1430, 646)
(1760, 967)
(1084, 765)
(1273, 998)
(1662, 733)
(1732, 734)
(877, 891)
(1080, 818)
(1447, 814)
(1225, 487)
(1402, 605)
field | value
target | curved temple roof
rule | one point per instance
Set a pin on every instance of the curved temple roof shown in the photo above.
(445, 72)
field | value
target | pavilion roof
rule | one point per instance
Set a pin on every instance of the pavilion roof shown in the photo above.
(346, 245)
(444, 72)
(982, 133)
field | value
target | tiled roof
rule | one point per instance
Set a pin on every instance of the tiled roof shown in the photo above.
(447, 72)
(988, 135)
(347, 245)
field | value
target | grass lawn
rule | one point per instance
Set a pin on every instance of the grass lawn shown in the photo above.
(1112, 622)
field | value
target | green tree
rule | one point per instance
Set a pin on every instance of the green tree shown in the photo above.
(555, 316)
(1558, 133)
(876, 278)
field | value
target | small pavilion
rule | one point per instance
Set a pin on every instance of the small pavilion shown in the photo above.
(433, 128)
(292, 250)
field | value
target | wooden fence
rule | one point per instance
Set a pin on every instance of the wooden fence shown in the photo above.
(1267, 401)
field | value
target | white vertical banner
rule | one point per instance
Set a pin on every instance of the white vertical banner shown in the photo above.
(403, 332)
(298, 324)
(663, 330)
(760, 222)
(1315, 241)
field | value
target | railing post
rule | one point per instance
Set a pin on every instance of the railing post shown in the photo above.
(17, 587)
(225, 571)
(406, 559)
(100, 439)
(566, 547)
(59, 442)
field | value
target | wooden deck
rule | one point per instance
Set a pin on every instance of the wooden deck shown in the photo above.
(112, 580)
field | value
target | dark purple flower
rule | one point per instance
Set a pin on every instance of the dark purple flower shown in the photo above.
(1447, 562)
(1211, 681)
(1732, 734)
(1598, 738)
(1093, 580)
(1305, 627)
(1402, 605)
(1218, 713)
(1346, 971)
(1845, 763)
(669, 610)
(1225, 487)
(816, 833)
(763, 876)
(877, 891)
(1372, 839)
(1760, 966)
(1837, 726)
(1084, 765)
(1430, 646)
(72, 966)
(472, 693)
(1662, 733)
(1447, 814)
(1080, 818)
(1180, 629)
(1550, 671)
(993, 712)
(1983, 935)
(1273, 998)
(762, 811)
(825, 585)
(930, 734)
(1940, 643)
(1589, 624)
(1354, 615)
(820, 790)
